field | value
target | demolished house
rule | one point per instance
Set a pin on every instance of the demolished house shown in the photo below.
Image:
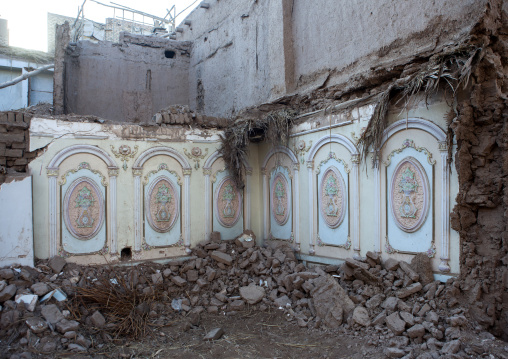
(336, 128)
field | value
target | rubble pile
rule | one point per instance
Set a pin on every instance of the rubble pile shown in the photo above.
(393, 305)
(183, 115)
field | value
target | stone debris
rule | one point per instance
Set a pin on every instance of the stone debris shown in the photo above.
(214, 334)
(393, 302)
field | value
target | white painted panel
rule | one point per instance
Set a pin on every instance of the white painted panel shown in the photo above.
(70, 243)
(421, 239)
(281, 231)
(153, 237)
(237, 228)
(16, 228)
(339, 235)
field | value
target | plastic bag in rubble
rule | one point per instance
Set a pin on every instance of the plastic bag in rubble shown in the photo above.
(176, 304)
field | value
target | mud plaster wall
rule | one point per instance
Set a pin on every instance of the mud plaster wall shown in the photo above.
(249, 52)
(237, 57)
(481, 215)
(129, 81)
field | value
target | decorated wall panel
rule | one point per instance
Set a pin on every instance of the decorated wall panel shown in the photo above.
(281, 202)
(333, 202)
(162, 207)
(227, 206)
(410, 200)
(83, 194)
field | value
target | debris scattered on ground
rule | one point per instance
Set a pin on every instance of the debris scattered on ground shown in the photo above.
(60, 306)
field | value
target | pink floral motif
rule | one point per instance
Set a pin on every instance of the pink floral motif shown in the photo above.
(228, 203)
(280, 199)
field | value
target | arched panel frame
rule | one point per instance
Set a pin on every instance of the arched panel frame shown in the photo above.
(354, 190)
(53, 171)
(207, 171)
(295, 237)
(443, 204)
(138, 171)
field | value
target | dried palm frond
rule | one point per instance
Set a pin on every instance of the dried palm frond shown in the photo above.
(452, 68)
(120, 301)
(274, 128)
(373, 134)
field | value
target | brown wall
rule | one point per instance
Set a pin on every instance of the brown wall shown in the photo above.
(129, 81)
(481, 213)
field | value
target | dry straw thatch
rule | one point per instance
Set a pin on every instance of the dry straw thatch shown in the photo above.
(452, 69)
(273, 128)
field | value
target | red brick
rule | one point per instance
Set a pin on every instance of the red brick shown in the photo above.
(13, 153)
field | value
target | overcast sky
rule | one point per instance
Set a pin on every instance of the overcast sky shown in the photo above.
(27, 19)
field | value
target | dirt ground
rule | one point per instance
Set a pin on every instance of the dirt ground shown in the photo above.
(254, 334)
(250, 334)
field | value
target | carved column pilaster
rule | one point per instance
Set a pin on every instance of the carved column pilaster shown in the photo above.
(445, 209)
(355, 189)
(53, 201)
(113, 174)
(248, 184)
(310, 171)
(377, 208)
(296, 219)
(266, 206)
(187, 222)
(137, 172)
(208, 205)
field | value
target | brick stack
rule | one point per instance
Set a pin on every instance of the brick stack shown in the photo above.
(14, 153)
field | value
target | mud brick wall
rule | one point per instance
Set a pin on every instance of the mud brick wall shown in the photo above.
(481, 213)
(14, 153)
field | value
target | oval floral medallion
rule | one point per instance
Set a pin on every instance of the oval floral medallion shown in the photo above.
(162, 204)
(409, 195)
(83, 208)
(332, 197)
(228, 202)
(280, 199)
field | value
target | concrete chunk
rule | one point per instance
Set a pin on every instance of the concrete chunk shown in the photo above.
(409, 271)
(98, 319)
(51, 313)
(40, 288)
(395, 324)
(391, 264)
(65, 326)
(222, 257)
(361, 316)
(406, 292)
(36, 324)
(252, 294)
(57, 263)
(179, 281)
(214, 334)
(416, 331)
(7, 293)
